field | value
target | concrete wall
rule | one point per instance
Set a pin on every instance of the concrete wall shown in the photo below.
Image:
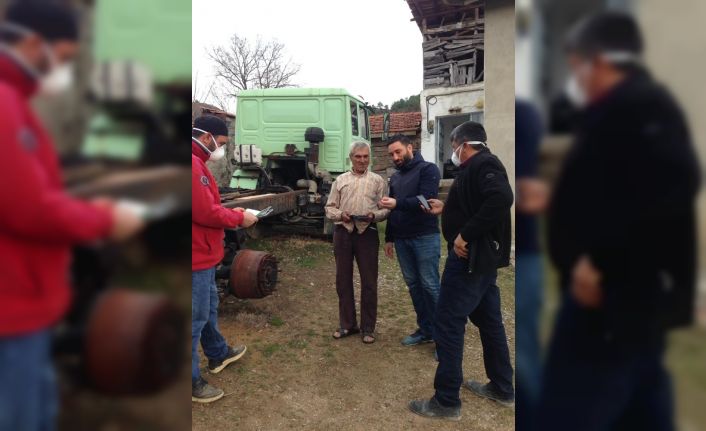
(499, 117)
(443, 102)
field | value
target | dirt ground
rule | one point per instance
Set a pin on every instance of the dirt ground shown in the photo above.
(296, 376)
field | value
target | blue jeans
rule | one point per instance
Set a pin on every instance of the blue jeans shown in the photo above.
(528, 306)
(204, 320)
(28, 392)
(419, 262)
(476, 297)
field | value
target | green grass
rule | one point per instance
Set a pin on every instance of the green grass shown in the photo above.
(276, 321)
(297, 344)
(271, 349)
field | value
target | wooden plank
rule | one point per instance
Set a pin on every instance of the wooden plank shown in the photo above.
(434, 81)
(454, 55)
(466, 8)
(467, 25)
(432, 45)
(437, 65)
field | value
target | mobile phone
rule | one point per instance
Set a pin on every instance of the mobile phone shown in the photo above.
(423, 201)
(261, 213)
(360, 217)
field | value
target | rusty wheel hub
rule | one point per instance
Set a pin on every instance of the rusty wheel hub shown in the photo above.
(253, 274)
(134, 343)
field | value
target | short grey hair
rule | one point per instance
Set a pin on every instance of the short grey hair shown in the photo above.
(357, 145)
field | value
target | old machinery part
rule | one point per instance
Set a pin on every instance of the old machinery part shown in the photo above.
(246, 155)
(302, 200)
(314, 135)
(290, 149)
(253, 274)
(134, 342)
(307, 184)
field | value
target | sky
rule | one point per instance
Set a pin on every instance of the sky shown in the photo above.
(369, 47)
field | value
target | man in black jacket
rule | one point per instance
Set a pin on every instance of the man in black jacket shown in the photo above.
(622, 236)
(414, 233)
(476, 224)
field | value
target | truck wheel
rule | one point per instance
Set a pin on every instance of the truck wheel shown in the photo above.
(134, 342)
(253, 274)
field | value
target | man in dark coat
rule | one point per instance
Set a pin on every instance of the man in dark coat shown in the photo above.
(476, 224)
(622, 237)
(414, 233)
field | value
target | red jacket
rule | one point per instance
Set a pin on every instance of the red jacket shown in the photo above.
(39, 222)
(208, 217)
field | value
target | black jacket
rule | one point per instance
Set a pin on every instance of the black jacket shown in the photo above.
(407, 220)
(625, 197)
(478, 207)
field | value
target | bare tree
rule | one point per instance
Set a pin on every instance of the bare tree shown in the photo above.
(242, 65)
(198, 92)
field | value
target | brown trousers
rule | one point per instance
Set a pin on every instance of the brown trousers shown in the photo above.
(364, 248)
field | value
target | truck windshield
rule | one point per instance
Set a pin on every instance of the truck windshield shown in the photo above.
(354, 119)
(364, 131)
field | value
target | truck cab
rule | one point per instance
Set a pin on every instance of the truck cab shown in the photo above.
(294, 140)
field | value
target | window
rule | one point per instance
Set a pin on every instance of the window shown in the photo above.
(354, 118)
(364, 126)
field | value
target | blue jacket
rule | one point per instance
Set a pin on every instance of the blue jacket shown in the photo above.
(407, 220)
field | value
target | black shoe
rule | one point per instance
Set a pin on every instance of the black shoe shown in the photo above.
(234, 353)
(202, 392)
(489, 391)
(432, 409)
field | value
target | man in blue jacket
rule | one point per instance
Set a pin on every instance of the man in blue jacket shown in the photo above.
(414, 233)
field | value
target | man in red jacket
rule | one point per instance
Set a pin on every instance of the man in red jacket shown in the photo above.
(208, 219)
(39, 222)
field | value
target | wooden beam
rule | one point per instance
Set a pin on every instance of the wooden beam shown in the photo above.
(468, 25)
(448, 12)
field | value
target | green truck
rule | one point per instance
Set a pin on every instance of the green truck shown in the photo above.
(142, 90)
(291, 143)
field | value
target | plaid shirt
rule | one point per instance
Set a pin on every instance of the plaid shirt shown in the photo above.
(357, 194)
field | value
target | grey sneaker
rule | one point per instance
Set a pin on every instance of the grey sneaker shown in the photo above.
(432, 409)
(416, 338)
(489, 391)
(202, 392)
(234, 353)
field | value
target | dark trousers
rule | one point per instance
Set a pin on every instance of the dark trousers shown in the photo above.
(476, 297)
(595, 382)
(364, 249)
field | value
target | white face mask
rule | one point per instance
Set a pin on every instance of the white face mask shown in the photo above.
(456, 156)
(455, 159)
(58, 81)
(218, 154)
(575, 93)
